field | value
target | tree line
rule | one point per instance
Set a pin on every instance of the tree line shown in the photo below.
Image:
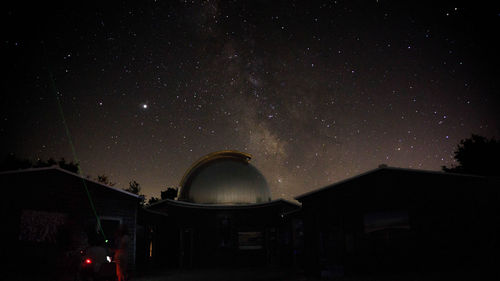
(12, 162)
(476, 155)
(135, 188)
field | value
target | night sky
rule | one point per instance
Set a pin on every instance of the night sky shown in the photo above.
(316, 91)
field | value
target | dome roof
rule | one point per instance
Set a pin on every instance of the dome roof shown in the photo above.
(224, 177)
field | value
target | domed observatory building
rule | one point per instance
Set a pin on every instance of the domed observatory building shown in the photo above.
(223, 215)
(224, 178)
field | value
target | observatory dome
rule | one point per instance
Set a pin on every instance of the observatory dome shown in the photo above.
(224, 177)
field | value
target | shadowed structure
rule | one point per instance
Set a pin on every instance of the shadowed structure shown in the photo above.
(223, 216)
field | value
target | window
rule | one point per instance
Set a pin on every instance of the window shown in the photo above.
(250, 240)
(376, 221)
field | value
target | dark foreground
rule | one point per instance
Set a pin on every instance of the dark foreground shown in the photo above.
(267, 274)
(244, 274)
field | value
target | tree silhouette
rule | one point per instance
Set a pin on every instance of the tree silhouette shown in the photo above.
(12, 162)
(105, 180)
(135, 188)
(477, 155)
(72, 167)
(170, 193)
(152, 200)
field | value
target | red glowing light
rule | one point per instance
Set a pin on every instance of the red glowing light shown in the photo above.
(88, 261)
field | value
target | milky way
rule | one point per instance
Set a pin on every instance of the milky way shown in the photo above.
(316, 91)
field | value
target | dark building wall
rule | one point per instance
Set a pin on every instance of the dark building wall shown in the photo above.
(52, 193)
(212, 236)
(439, 221)
(157, 243)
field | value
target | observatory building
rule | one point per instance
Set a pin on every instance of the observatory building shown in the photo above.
(223, 215)
(225, 178)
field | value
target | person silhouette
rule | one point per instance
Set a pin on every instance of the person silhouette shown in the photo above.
(122, 239)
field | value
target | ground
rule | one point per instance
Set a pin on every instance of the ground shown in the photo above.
(240, 274)
(267, 274)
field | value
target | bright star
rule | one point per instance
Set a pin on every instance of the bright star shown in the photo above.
(144, 106)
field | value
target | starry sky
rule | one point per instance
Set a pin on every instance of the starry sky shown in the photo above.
(316, 91)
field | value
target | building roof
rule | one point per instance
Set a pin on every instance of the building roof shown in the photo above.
(212, 156)
(58, 169)
(223, 206)
(382, 169)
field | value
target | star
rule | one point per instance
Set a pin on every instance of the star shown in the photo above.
(310, 112)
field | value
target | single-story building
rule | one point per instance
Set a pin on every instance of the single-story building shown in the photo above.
(202, 235)
(393, 219)
(48, 215)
